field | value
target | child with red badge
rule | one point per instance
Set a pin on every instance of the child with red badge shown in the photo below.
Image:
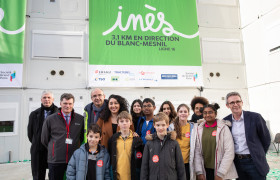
(186, 137)
(91, 160)
(214, 147)
(162, 157)
(125, 150)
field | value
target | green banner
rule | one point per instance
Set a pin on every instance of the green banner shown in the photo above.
(143, 32)
(12, 23)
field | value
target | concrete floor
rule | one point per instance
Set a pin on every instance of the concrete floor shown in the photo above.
(22, 170)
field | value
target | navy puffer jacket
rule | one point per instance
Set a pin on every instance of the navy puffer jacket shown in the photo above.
(78, 165)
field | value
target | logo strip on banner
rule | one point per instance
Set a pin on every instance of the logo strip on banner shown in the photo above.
(144, 44)
(12, 26)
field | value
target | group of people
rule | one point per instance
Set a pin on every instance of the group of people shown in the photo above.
(108, 142)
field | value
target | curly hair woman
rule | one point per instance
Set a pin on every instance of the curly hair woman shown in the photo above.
(108, 119)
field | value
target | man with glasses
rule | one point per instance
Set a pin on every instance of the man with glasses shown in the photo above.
(251, 140)
(145, 123)
(94, 109)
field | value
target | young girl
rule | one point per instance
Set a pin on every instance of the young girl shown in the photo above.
(215, 149)
(186, 136)
(136, 111)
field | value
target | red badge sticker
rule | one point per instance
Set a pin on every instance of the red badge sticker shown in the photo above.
(139, 155)
(155, 158)
(99, 163)
(148, 132)
(187, 135)
(214, 133)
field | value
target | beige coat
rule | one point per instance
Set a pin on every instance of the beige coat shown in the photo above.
(224, 166)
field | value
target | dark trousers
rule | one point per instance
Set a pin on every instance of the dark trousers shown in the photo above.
(247, 170)
(57, 171)
(39, 165)
(187, 169)
(210, 174)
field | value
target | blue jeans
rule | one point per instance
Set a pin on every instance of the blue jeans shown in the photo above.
(247, 170)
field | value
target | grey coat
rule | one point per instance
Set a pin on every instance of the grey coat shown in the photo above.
(78, 165)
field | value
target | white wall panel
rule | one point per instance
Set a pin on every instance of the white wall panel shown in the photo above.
(249, 11)
(57, 44)
(216, 50)
(254, 51)
(264, 100)
(64, 9)
(268, 5)
(38, 71)
(231, 76)
(273, 108)
(219, 2)
(259, 100)
(219, 33)
(210, 15)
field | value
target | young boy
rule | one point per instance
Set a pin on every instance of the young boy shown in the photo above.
(91, 160)
(162, 158)
(125, 150)
(145, 123)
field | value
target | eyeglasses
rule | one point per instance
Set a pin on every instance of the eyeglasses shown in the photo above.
(147, 106)
(209, 112)
(235, 102)
(98, 95)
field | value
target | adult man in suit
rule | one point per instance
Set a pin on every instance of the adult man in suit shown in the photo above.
(38, 152)
(251, 140)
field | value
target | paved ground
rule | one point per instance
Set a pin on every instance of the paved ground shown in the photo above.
(22, 170)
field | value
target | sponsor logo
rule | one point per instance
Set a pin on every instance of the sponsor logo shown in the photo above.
(115, 78)
(139, 155)
(187, 135)
(99, 163)
(146, 73)
(129, 79)
(102, 72)
(13, 76)
(121, 72)
(99, 79)
(155, 158)
(169, 76)
(190, 76)
(214, 133)
(195, 77)
(147, 79)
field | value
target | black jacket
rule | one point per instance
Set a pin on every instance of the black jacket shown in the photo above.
(136, 155)
(55, 132)
(34, 129)
(162, 162)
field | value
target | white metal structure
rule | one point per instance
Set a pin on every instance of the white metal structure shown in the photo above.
(237, 41)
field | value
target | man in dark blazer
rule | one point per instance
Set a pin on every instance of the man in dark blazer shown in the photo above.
(39, 153)
(251, 140)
